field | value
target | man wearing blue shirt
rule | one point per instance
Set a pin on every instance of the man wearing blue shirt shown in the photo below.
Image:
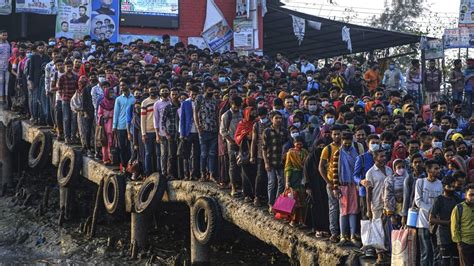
(119, 126)
(363, 163)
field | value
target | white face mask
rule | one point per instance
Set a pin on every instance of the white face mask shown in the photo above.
(437, 144)
(400, 171)
(374, 147)
(101, 79)
(312, 108)
(309, 79)
(324, 104)
(297, 124)
(264, 120)
(329, 120)
(295, 135)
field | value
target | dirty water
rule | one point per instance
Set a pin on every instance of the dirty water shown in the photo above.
(28, 237)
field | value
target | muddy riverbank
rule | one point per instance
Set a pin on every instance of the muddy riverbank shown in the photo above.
(30, 234)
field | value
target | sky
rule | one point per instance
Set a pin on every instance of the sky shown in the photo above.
(444, 12)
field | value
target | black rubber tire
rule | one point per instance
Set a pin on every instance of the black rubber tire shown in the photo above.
(146, 197)
(114, 194)
(205, 209)
(13, 134)
(68, 168)
(40, 151)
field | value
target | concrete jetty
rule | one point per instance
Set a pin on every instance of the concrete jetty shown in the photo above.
(208, 204)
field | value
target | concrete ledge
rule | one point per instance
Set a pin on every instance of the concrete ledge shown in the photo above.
(256, 221)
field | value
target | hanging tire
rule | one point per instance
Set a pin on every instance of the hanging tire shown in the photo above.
(40, 151)
(68, 168)
(205, 220)
(149, 194)
(13, 134)
(114, 194)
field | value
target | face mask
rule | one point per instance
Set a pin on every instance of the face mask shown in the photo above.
(309, 79)
(457, 110)
(386, 146)
(445, 128)
(101, 79)
(312, 108)
(209, 94)
(374, 147)
(264, 120)
(295, 135)
(468, 142)
(51, 43)
(161, 60)
(437, 144)
(324, 104)
(392, 67)
(400, 171)
(350, 104)
(93, 46)
(329, 120)
(153, 94)
(111, 49)
(221, 80)
(29, 55)
(462, 153)
(449, 192)
(87, 43)
(297, 124)
(165, 95)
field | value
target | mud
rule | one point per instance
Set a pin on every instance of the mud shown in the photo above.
(30, 234)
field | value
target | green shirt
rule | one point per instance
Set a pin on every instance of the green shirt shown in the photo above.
(464, 234)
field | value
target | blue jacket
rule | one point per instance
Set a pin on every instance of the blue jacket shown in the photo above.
(363, 163)
(186, 118)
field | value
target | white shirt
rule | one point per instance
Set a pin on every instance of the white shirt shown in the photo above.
(376, 178)
(425, 194)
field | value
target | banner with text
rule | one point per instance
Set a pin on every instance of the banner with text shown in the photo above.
(5, 7)
(105, 20)
(73, 19)
(458, 38)
(243, 34)
(44, 7)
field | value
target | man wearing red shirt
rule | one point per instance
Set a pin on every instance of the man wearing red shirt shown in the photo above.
(67, 86)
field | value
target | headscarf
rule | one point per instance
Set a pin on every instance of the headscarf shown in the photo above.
(83, 71)
(399, 152)
(460, 164)
(82, 83)
(14, 55)
(114, 81)
(244, 127)
(107, 103)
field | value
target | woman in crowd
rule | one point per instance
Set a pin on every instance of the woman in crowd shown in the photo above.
(104, 119)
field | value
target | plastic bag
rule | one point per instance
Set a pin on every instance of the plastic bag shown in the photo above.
(404, 247)
(372, 233)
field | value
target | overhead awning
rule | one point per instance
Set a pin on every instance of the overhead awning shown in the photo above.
(325, 42)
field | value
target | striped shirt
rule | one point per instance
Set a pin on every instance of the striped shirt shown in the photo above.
(67, 86)
(147, 119)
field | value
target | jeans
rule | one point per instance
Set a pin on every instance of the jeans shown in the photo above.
(348, 224)
(275, 177)
(33, 102)
(123, 146)
(164, 155)
(3, 83)
(426, 247)
(172, 157)
(194, 164)
(260, 179)
(152, 151)
(69, 125)
(208, 141)
(333, 212)
(234, 169)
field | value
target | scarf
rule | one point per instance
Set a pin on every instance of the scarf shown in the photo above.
(82, 83)
(347, 160)
(399, 152)
(244, 127)
(107, 103)
(295, 159)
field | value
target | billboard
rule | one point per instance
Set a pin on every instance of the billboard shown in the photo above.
(73, 19)
(466, 13)
(458, 38)
(44, 7)
(5, 7)
(105, 20)
(150, 13)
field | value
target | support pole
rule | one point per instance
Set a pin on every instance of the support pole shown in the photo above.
(199, 252)
(139, 229)
(63, 204)
(5, 161)
(97, 206)
(24, 25)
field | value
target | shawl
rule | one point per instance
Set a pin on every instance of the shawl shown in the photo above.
(347, 160)
(244, 127)
(295, 160)
(399, 152)
(106, 103)
(82, 83)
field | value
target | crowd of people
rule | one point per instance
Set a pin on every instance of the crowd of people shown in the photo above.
(346, 141)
